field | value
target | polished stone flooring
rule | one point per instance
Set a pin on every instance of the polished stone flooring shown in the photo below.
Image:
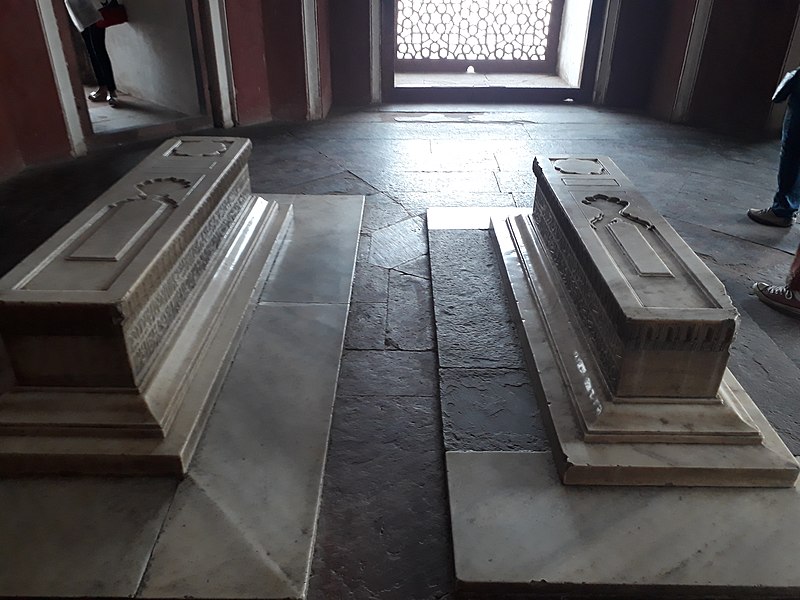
(384, 525)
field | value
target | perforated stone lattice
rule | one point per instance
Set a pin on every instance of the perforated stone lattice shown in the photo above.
(473, 29)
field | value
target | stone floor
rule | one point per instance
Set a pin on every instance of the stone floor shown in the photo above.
(131, 113)
(384, 524)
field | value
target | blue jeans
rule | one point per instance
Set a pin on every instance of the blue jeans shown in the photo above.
(787, 198)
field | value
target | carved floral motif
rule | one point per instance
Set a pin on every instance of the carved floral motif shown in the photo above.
(166, 189)
(201, 148)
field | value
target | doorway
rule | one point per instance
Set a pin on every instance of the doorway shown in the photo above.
(158, 65)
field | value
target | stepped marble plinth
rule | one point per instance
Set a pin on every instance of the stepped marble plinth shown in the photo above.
(627, 334)
(118, 329)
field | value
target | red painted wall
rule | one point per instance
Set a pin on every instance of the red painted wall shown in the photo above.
(668, 67)
(249, 61)
(30, 97)
(10, 158)
(283, 29)
(741, 63)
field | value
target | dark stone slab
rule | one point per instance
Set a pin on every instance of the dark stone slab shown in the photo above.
(277, 174)
(417, 203)
(782, 329)
(490, 409)
(398, 243)
(726, 218)
(372, 373)
(410, 315)
(474, 327)
(382, 211)
(516, 181)
(370, 282)
(771, 379)
(384, 529)
(420, 267)
(524, 199)
(417, 129)
(393, 181)
(366, 326)
(342, 182)
(725, 254)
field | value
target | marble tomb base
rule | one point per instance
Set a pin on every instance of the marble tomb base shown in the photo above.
(242, 522)
(519, 532)
(118, 330)
(628, 334)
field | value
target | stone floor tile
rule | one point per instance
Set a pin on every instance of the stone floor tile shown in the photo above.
(390, 502)
(366, 326)
(409, 324)
(420, 267)
(274, 175)
(395, 182)
(468, 294)
(370, 283)
(381, 211)
(398, 243)
(372, 373)
(524, 199)
(516, 181)
(490, 409)
(358, 151)
(417, 203)
(82, 537)
(520, 157)
(342, 182)
(769, 377)
(738, 243)
(743, 195)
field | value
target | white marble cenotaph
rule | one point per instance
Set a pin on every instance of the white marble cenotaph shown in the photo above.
(627, 334)
(117, 331)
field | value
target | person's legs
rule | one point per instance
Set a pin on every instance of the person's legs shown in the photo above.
(786, 201)
(95, 38)
(787, 198)
(100, 94)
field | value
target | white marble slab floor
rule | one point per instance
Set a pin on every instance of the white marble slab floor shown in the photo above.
(516, 527)
(242, 523)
